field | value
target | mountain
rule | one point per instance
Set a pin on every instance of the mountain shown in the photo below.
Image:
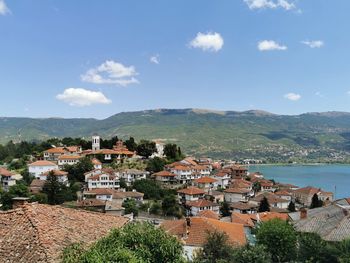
(248, 134)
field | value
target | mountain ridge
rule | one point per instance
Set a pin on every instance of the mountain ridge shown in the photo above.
(222, 134)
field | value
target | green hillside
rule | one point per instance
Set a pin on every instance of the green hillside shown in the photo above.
(250, 134)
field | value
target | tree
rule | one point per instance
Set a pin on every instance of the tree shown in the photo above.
(27, 177)
(256, 254)
(146, 148)
(225, 209)
(155, 165)
(170, 206)
(315, 202)
(172, 152)
(76, 171)
(313, 249)
(17, 190)
(131, 207)
(150, 188)
(155, 208)
(215, 249)
(131, 144)
(54, 190)
(279, 238)
(264, 205)
(291, 207)
(256, 187)
(134, 243)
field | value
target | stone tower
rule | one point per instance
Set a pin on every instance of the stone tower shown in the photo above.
(95, 143)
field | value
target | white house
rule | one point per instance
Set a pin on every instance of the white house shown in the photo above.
(7, 179)
(205, 183)
(54, 153)
(40, 167)
(236, 194)
(132, 175)
(103, 180)
(274, 200)
(68, 160)
(195, 207)
(61, 176)
(190, 194)
(97, 164)
(222, 178)
(165, 177)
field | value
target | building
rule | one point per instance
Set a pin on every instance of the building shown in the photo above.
(195, 207)
(61, 176)
(304, 195)
(38, 233)
(237, 195)
(331, 222)
(68, 160)
(113, 195)
(190, 194)
(284, 194)
(244, 207)
(97, 164)
(193, 232)
(184, 173)
(36, 186)
(118, 153)
(102, 179)
(95, 143)
(132, 175)
(274, 200)
(165, 177)
(205, 183)
(40, 167)
(7, 179)
(223, 178)
(54, 153)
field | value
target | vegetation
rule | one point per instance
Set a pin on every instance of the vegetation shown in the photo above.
(76, 171)
(316, 202)
(146, 148)
(279, 238)
(54, 190)
(291, 206)
(260, 135)
(225, 209)
(173, 152)
(17, 190)
(134, 243)
(130, 206)
(264, 205)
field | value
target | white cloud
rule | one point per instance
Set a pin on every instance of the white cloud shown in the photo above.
(319, 94)
(292, 96)
(4, 10)
(82, 97)
(154, 59)
(111, 72)
(208, 41)
(269, 45)
(271, 4)
(314, 43)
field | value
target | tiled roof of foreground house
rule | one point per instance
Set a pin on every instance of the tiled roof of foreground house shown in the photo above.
(38, 233)
(195, 231)
(331, 222)
(208, 214)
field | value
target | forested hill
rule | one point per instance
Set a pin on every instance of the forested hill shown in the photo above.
(249, 134)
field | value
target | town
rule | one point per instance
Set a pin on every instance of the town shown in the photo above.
(67, 190)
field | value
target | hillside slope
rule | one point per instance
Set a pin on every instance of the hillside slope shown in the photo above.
(250, 134)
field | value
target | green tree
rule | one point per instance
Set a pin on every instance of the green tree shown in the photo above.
(256, 254)
(76, 171)
(279, 238)
(256, 187)
(27, 177)
(131, 144)
(264, 205)
(17, 190)
(170, 206)
(150, 188)
(131, 207)
(225, 209)
(315, 202)
(155, 208)
(291, 206)
(134, 243)
(215, 249)
(172, 152)
(146, 148)
(155, 165)
(54, 190)
(313, 249)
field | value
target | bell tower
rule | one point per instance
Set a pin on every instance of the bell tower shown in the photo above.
(95, 143)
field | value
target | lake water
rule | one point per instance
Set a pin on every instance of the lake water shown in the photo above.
(333, 178)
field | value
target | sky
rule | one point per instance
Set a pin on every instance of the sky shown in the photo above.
(63, 58)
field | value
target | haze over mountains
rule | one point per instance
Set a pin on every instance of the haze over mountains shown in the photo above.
(248, 134)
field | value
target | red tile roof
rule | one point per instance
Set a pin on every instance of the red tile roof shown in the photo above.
(205, 180)
(164, 174)
(39, 233)
(191, 191)
(201, 203)
(197, 232)
(237, 190)
(69, 157)
(56, 173)
(5, 172)
(42, 163)
(208, 214)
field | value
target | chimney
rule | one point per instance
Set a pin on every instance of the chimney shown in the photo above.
(303, 213)
(188, 221)
(346, 212)
(18, 202)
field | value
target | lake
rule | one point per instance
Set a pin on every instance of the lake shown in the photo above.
(333, 178)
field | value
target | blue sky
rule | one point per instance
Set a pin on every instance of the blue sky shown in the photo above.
(96, 58)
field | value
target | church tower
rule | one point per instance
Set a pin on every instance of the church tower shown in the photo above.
(95, 143)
